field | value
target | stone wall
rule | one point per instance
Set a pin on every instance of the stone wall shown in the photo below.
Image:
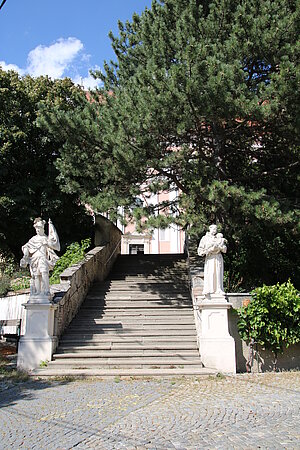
(76, 280)
(262, 361)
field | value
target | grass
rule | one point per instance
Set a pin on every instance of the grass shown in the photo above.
(64, 379)
(218, 377)
(44, 363)
(9, 372)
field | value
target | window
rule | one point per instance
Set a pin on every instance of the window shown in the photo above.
(134, 249)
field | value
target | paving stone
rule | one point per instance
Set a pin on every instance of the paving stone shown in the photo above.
(245, 411)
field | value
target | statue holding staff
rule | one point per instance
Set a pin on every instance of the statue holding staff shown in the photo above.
(212, 245)
(40, 256)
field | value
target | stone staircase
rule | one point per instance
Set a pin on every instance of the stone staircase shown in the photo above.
(139, 322)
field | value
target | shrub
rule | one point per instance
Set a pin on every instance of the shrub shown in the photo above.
(75, 252)
(20, 281)
(12, 278)
(272, 318)
(7, 264)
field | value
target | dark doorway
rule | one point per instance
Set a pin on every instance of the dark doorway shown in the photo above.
(134, 249)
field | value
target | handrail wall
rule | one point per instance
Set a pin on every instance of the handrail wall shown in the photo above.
(77, 280)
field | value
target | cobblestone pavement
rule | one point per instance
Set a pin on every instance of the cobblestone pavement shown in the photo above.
(242, 412)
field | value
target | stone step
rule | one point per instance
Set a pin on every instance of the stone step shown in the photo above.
(134, 305)
(139, 294)
(128, 361)
(140, 282)
(136, 313)
(158, 259)
(178, 270)
(131, 324)
(156, 292)
(140, 363)
(138, 305)
(144, 299)
(122, 299)
(69, 347)
(128, 319)
(131, 327)
(132, 320)
(166, 275)
(127, 332)
(137, 340)
(125, 353)
(141, 287)
(143, 265)
(142, 279)
(124, 372)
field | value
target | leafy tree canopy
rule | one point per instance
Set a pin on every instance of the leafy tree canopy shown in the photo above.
(28, 186)
(201, 99)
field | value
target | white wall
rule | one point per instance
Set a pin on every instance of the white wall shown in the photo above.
(11, 308)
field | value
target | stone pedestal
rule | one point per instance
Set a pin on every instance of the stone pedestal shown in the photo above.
(217, 347)
(38, 342)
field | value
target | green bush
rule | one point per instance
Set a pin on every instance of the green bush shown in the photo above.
(7, 264)
(272, 318)
(75, 252)
(12, 278)
(20, 281)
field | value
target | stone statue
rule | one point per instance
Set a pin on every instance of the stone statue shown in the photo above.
(212, 245)
(39, 254)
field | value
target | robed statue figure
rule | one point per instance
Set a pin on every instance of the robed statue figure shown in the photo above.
(39, 254)
(212, 245)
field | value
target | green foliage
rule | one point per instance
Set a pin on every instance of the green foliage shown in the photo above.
(201, 100)
(233, 282)
(9, 373)
(12, 278)
(28, 177)
(272, 318)
(44, 363)
(20, 281)
(74, 253)
(7, 264)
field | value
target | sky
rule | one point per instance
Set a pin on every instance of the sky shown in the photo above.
(61, 38)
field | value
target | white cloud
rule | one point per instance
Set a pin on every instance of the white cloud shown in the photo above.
(53, 60)
(88, 82)
(14, 67)
(65, 57)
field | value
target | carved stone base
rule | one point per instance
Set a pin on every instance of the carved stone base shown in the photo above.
(40, 299)
(38, 343)
(217, 347)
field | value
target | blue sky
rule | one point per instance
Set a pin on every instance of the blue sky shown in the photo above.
(61, 37)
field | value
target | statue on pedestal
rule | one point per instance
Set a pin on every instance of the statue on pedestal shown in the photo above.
(39, 254)
(212, 245)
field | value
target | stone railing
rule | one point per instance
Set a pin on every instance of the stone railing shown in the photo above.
(76, 280)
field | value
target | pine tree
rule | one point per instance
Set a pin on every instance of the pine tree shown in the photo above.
(201, 99)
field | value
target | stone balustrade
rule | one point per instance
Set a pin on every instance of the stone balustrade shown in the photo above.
(77, 279)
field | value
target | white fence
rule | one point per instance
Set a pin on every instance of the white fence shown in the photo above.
(11, 308)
